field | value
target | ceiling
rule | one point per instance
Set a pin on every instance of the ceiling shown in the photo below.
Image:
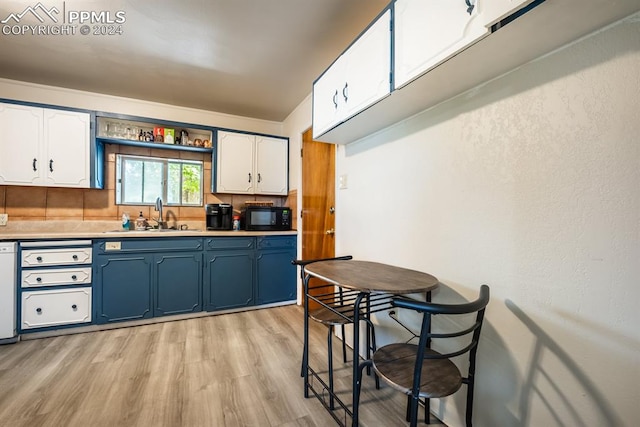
(253, 58)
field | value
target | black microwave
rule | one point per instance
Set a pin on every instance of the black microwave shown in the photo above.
(266, 218)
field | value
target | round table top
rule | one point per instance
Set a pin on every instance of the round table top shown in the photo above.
(370, 276)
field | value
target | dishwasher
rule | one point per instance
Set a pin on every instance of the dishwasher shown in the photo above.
(8, 267)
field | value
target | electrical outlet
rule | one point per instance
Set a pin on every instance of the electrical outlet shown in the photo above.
(4, 218)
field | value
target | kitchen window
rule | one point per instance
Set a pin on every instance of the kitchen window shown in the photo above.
(141, 180)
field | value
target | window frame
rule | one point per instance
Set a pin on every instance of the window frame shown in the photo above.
(120, 180)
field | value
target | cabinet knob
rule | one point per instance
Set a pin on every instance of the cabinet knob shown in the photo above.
(74, 277)
(39, 259)
(75, 257)
(38, 279)
(39, 310)
(74, 307)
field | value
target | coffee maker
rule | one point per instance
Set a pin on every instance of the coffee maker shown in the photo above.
(219, 216)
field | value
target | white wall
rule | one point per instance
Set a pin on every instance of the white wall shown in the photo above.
(30, 92)
(531, 184)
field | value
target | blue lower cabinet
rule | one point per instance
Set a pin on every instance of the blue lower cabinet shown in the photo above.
(122, 287)
(143, 278)
(178, 283)
(230, 279)
(140, 278)
(276, 277)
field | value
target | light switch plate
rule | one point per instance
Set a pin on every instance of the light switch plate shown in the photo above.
(4, 218)
(342, 182)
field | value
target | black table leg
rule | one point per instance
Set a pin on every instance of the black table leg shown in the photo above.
(305, 351)
(356, 356)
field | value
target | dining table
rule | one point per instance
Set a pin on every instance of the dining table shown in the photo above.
(360, 289)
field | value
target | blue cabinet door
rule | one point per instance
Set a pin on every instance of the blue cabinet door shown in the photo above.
(122, 287)
(276, 276)
(178, 279)
(230, 279)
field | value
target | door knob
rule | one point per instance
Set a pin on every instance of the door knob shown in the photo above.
(332, 210)
(330, 232)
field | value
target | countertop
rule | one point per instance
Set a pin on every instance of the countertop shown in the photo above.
(111, 232)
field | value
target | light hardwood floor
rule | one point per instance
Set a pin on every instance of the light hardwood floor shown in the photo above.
(240, 369)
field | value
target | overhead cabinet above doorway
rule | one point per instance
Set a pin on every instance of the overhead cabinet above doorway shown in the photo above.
(436, 49)
(357, 79)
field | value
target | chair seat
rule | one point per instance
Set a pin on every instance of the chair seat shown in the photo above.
(396, 362)
(328, 317)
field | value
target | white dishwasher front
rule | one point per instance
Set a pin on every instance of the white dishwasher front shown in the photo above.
(8, 267)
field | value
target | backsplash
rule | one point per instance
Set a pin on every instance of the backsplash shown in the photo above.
(74, 204)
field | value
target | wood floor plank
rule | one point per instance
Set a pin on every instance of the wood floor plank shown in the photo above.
(240, 369)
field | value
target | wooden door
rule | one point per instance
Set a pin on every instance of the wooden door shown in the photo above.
(318, 200)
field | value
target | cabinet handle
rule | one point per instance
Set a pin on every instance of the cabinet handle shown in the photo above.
(75, 257)
(50, 165)
(470, 5)
(345, 92)
(259, 178)
(39, 310)
(39, 259)
(35, 169)
(74, 307)
(74, 277)
(249, 177)
(335, 99)
(38, 279)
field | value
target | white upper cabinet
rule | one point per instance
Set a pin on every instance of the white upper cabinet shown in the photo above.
(429, 32)
(20, 145)
(368, 67)
(251, 164)
(235, 163)
(272, 168)
(356, 80)
(67, 148)
(327, 98)
(44, 147)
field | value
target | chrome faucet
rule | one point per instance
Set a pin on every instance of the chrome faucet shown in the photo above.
(158, 209)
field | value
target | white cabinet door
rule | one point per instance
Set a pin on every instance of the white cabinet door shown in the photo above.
(234, 166)
(327, 98)
(494, 10)
(429, 32)
(368, 67)
(356, 80)
(20, 144)
(272, 167)
(67, 156)
(251, 164)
